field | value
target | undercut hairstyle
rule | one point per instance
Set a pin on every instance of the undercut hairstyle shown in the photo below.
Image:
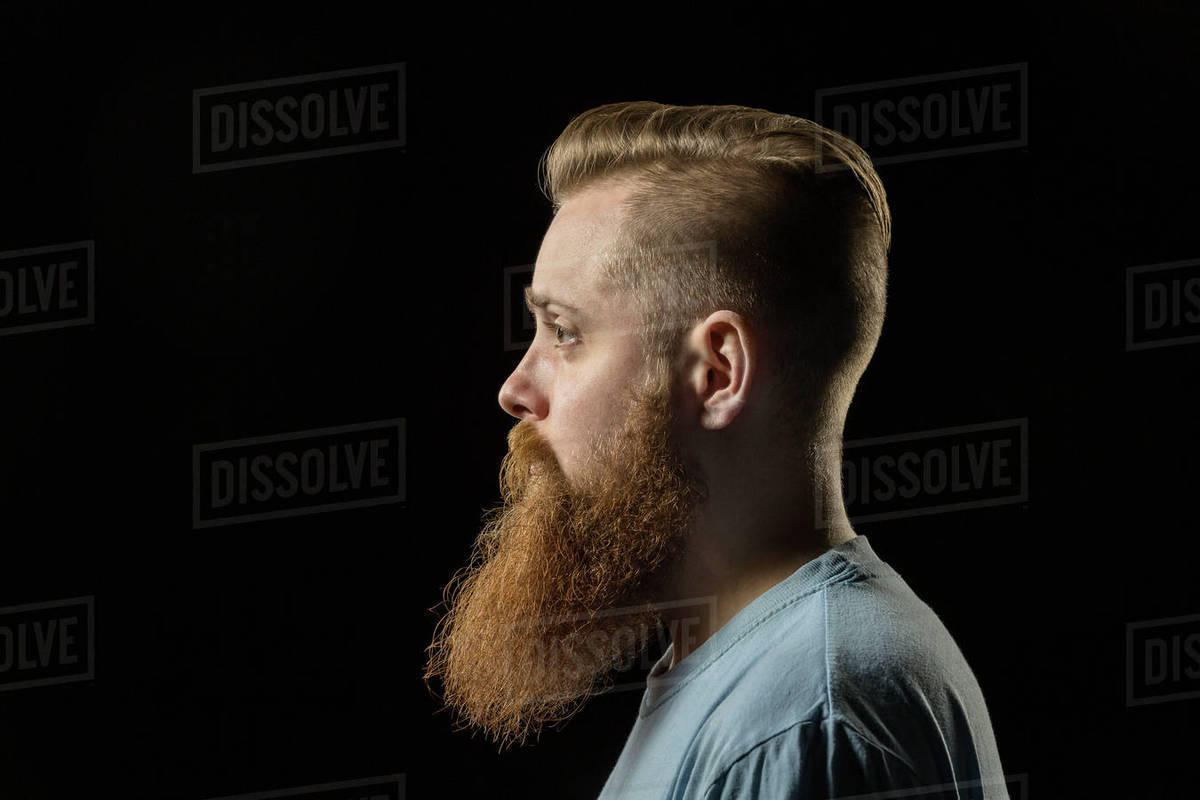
(768, 215)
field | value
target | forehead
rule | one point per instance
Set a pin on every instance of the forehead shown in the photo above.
(578, 238)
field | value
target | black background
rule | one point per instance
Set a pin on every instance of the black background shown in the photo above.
(368, 286)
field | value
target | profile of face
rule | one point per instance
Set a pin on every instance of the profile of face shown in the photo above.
(597, 503)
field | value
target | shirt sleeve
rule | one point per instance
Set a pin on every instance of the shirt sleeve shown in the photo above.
(813, 761)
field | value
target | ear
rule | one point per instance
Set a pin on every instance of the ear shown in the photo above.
(720, 359)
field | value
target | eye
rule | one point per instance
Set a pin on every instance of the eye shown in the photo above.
(555, 328)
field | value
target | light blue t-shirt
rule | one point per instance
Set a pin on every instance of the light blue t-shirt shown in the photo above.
(836, 682)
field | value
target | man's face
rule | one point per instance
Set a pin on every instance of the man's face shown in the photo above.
(597, 503)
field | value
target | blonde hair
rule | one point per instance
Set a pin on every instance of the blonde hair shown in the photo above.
(768, 215)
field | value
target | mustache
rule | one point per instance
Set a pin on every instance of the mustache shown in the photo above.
(529, 457)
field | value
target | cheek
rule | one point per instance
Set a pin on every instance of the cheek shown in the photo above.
(593, 405)
(587, 415)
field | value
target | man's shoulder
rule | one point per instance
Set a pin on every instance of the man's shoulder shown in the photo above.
(884, 643)
(856, 679)
(854, 651)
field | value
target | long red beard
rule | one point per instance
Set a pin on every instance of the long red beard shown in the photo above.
(530, 630)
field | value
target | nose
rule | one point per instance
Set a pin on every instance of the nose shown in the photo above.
(519, 398)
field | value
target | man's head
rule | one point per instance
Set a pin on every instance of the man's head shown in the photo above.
(705, 295)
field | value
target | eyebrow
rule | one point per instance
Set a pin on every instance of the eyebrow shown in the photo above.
(533, 299)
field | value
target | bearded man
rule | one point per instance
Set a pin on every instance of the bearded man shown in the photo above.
(708, 294)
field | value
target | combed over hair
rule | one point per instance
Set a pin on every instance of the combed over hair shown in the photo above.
(771, 216)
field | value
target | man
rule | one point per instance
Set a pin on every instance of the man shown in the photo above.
(708, 294)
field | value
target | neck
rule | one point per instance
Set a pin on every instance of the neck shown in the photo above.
(721, 575)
